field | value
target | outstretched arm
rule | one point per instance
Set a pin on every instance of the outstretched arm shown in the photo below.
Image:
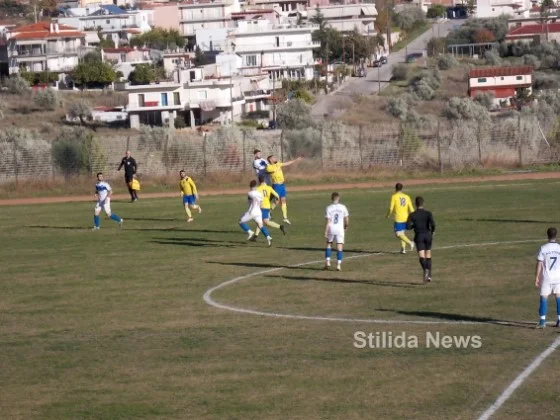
(288, 163)
(121, 165)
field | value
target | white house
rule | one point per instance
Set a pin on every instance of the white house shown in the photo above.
(281, 51)
(205, 14)
(125, 58)
(495, 8)
(347, 17)
(502, 82)
(198, 99)
(110, 21)
(43, 47)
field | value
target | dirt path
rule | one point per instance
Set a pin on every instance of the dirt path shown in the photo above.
(321, 187)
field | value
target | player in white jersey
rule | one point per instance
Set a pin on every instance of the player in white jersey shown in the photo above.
(103, 194)
(254, 213)
(547, 276)
(259, 165)
(337, 219)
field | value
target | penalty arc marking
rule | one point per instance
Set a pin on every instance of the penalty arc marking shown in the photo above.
(490, 411)
(212, 302)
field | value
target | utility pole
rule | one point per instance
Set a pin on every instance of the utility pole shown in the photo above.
(379, 78)
(353, 58)
(343, 50)
(35, 11)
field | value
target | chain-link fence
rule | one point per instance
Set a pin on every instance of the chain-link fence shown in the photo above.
(518, 140)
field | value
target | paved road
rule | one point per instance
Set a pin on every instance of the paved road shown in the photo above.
(369, 84)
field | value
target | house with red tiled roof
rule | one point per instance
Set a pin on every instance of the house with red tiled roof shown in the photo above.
(502, 82)
(42, 46)
(125, 59)
(535, 32)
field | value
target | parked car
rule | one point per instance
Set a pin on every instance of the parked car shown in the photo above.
(377, 63)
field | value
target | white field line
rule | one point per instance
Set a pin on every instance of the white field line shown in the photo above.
(508, 392)
(210, 301)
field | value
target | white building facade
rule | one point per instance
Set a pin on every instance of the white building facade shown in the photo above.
(43, 47)
(349, 17)
(495, 8)
(281, 51)
(196, 98)
(110, 21)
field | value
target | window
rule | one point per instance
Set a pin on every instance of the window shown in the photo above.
(141, 99)
(482, 80)
(502, 78)
(107, 21)
(164, 99)
(202, 94)
(251, 60)
(277, 41)
(176, 98)
(519, 78)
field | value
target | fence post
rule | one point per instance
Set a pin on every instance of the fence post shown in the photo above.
(90, 163)
(322, 147)
(282, 145)
(360, 146)
(479, 140)
(244, 151)
(438, 138)
(400, 145)
(128, 143)
(520, 140)
(165, 153)
(16, 168)
(204, 152)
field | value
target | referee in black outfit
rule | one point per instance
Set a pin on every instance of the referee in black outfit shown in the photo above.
(130, 167)
(424, 227)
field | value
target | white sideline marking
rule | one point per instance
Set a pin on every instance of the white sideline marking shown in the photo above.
(519, 380)
(210, 301)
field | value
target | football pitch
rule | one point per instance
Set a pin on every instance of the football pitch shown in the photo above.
(169, 320)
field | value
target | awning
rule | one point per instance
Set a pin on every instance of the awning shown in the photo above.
(92, 38)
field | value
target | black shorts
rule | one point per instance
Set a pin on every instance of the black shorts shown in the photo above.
(128, 178)
(423, 241)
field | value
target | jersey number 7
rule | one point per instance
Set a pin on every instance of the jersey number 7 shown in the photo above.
(554, 259)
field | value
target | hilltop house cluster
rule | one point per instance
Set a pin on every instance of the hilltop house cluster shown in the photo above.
(253, 47)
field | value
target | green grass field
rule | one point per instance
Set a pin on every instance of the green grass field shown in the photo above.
(112, 324)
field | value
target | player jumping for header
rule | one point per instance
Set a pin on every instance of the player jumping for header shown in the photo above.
(400, 207)
(103, 194)
(274, 168)
(189, 194)
(254, 213)
(268, 194)
(547, 276)
(337, 219)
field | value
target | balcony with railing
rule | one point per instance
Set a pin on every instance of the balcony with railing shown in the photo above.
(272, 46)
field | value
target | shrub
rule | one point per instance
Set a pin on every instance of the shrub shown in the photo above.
(400, 71)
(304, 142)
(436, 46)
(77, 151)
(446, 62)
(27, 149)
(423, 90)
(47, 99)
(152, 138)
(294, 114)
(410, 143)
(398, 107)
(531, 60)
(492, 58)
(464, 108)
(79, 109)
(180, 122)
(486, 99)
(17, 85)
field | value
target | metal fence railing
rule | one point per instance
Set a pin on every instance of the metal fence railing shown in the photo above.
(519, 140)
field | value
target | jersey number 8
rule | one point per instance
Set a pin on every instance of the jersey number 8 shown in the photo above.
(335, 219)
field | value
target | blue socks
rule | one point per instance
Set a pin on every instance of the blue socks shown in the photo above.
(245, 227)
(558, 307)
(328, 253)
(96, 220)
(339, 256)
(265, 231)
(115, 218)
(543, 307)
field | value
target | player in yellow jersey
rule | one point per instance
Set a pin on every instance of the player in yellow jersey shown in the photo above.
(400, 207)
(189, 194)
(274, 168)
(268, 194)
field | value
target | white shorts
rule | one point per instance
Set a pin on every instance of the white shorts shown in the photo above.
(247, 217)
(548, 288)
(336, 237)
(105, 205)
